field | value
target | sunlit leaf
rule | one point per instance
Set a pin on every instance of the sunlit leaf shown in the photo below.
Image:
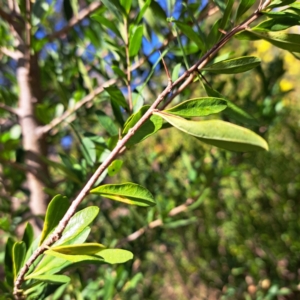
(18, 256)
(79, 249)
(135, 40)
(116, 96)
(278, 3)
(129, 193)
(243, 7)
(52, 278)
(28, 235)
(115, 256)
(219, 133)
(198, 107)
(115, 167)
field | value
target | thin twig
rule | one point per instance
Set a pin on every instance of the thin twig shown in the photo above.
(44, 129)
(56, 235)
(75, 20)
(156, 223)
(14, 54)
(10, 109)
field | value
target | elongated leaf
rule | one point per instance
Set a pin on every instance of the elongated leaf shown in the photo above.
(286, 41)
(107, 23)
(226, 15)
(234, 65)
(151, 126)
(107, 123)
(114, 167)
(74, 258)
(279, 23)
(126, 5)
(28, 235)
(232, 110)
(243, 7)
(116, 96)
(219, 133)
(143, 8)
(79, 249)
(78, 223)
(115, 256)
(135, 41)
(8, 262)
(129, 193)
(115, 7)
(190, 33)
(52, 278)
(278, 3)
(18, 256)
(198, 107)
(55, 211)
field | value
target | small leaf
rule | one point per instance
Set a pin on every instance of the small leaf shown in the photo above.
(107, 123)
(135, 41)
(175, 72)
(129, 193)
(8, 262)
(115, 256)
(78, 223)
(243, 7)
(18, 256)
(79, 249)
(234, 65)
(116, 96)
(198, 107)
(55, 211)
(52, 278)
(151, 126)
(114, 167)
(126, 5)
(28, 235)
(219, 133)
(190, 33)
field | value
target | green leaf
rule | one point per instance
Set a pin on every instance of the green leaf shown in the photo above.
(107, 123)
(234, 65)
(151, 126)
(52, 278)
(28, 235)
(232, 110)
(115, 7)
(190, 33)
(73, 258)
(175, 72)
(198, 107)
(79, 249)
(126, 5)
(78, 223)
(114, 167)
(144, 7)
(278, 3)
(115, 256)
(18, 256)
(107, 23)
(129, 193)
(219, 133)
(8, 262)
(286, 41)
(243, 7)
(226, 15)
(116, 96)
(279, 23)
(135, 40)
(55, 211)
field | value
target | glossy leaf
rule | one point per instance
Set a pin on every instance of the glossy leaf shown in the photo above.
(226, 15)
(18, 256)
(79, 249)
(219, 133)
(135, 41)
(198, 107)
(232, 110)
(243, 7)
(55, 211)
(279, 23)
(116, 96)
(190, 33)
(129, 193)
(78, 223)
(151, 126)
(115, 167)
(115, 256)
(28, 235)
(286, 41)
(52, 278)
(234, 65)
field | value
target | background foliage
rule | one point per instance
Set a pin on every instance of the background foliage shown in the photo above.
(225, 224)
